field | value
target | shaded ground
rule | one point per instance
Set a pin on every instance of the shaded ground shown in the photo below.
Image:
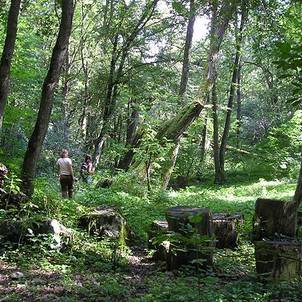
(17, 284)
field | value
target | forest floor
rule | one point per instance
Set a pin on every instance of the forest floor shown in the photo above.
(86, 272)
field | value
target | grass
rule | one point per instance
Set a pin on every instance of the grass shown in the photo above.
(85, 271)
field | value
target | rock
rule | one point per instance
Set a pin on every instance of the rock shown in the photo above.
(158, 228)
(62, 236)
(224, 226)
(162, 251)
(16, 275)
(19, 232)
(106, 221)
(13, 231)
(11, 199)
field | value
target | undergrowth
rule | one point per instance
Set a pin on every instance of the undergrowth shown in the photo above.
(86, 272)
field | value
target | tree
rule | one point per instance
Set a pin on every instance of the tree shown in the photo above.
(58, 56)
(169, 165)
(117, 63)
(7, 54)
(173, 129)
(219, 151)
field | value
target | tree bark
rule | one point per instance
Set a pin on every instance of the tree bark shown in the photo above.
(64, 104)
(132, 122)
(7, 54)
(298, 192)
(215, 136)
(186, 58)
(170, 164)
(203, 141)
(83, 121)
(127, 159)
(37, 138)
(238, 113)
(227, 125)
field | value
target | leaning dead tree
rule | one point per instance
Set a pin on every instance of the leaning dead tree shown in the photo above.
(37, 138)
(173, 152)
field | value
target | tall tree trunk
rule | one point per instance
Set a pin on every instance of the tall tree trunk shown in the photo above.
(238, 113)
(187, 50)
(204, 136)
(7, 54)
(203, 141)
(108, 104)
(127, 159)
(83, 121)
(132, 122)
(215, 135)
(64, 104)
(170, 164)
(227, 124)
(37, 138)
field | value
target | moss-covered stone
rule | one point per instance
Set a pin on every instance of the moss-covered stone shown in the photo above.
(106, 221)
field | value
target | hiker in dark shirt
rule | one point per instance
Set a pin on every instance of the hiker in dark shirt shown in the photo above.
(3, 172)
(87, 169)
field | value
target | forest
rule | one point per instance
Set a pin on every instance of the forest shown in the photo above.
(151, 150)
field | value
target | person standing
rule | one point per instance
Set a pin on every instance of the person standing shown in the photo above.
(3, 172)
(87, 169)
(65, 174)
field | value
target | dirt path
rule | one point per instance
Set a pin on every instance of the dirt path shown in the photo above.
(141, 266)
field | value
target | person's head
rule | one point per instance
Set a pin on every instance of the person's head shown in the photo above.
(88, 158)
(64, 153)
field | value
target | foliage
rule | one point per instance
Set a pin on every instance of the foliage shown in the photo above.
(111, 47)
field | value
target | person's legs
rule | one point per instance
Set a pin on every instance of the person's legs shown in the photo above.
(64, 185)
(70, 187)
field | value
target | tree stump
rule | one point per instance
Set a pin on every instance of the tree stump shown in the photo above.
(180, 217)
(224, 226)
(299, 224)
(192, 242)
(274, 219)
(158, 228)
(278, 260)
(106, 221)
